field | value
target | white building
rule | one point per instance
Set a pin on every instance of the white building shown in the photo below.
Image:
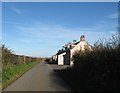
(54, 57)
(80, 46)
(61, 58)
(64, 58)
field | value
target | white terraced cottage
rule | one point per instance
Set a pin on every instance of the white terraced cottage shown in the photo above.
(65, 55)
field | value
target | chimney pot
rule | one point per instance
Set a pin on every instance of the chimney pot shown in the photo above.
(82, 38)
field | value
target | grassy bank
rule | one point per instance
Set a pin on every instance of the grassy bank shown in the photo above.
(13, 65)
(0, 80)
(13, 71)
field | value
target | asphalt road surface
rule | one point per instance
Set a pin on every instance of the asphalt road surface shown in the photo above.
(40, 78)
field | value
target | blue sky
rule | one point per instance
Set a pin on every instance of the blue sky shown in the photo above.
(40, 29)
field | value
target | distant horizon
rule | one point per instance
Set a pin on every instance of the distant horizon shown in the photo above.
(41, 29)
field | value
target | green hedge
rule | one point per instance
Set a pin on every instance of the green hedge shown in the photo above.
(8, 57)
(97, 70)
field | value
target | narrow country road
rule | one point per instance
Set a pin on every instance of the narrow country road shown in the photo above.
(40, 78)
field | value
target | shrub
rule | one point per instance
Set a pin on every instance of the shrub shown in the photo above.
(97, 70)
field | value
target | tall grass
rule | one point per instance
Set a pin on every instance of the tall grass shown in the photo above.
(97, 70)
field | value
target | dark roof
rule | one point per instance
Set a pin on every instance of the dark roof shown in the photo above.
(76, 43)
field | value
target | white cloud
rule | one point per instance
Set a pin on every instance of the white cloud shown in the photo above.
(12, 23)
(48, 38)
(54, 33)
(27, 41)
(113, 16)
(18, 11)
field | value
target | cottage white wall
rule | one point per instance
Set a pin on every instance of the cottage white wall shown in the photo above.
(78, 47)
(54, 57)
(90, 48)
(61, 59)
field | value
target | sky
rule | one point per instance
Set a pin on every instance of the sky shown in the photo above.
(42, 28)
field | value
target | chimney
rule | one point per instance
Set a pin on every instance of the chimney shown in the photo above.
(82, 38)
(74, 41)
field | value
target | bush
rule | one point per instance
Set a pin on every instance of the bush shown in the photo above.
(8, 57)
(100, 66)
(97, 70)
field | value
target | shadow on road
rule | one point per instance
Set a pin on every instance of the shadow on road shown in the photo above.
(59, 81)
(56, 76)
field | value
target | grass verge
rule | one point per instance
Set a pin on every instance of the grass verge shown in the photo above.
(13, 72)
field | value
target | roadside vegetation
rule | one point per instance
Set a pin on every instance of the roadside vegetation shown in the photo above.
(0, 68)
(97, 70)
(13, 66)
(13, 72)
